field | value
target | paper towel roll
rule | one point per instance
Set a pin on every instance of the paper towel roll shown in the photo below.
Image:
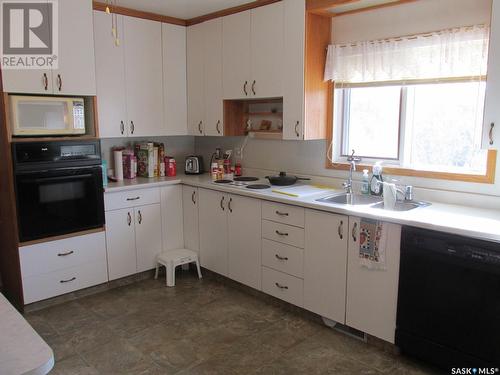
(118, 156)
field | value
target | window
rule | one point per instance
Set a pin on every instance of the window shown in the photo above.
(414, 102)
(428, 127)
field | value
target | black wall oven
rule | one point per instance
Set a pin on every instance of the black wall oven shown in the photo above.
(58, 188)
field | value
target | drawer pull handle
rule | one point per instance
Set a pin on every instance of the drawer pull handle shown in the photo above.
(281, 233)
(354, 232)
(341, 230)
(229, 205)
(132, 127)
(245, 88)
(64, 254)
(281, 286)
(222, 204)
(217, 126)
(122, 127)
(59, 82)
(140, 217)
(279, 257)
(133, 199)
(253, 86)
(68, 281)
(129, 219)
(45, 81)
(281, 213)
(193, 197)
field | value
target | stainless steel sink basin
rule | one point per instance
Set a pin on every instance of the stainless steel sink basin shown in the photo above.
(403, 206)
(357, 199)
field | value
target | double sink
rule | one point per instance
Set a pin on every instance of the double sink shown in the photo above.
(370, 201)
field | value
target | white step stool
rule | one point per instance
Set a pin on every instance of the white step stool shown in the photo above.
(173, 258)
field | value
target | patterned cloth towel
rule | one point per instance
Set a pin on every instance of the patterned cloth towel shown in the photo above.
(372, 244)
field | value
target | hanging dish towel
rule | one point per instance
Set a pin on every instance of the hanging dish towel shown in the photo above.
(372, 244)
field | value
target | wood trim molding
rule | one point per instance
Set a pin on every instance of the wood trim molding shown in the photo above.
(229, 11)
(139, 14)
(487, 178)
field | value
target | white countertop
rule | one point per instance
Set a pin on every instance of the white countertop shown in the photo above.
(467, 221)
(22, 350)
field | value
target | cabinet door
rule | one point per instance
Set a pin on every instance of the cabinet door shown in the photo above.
(110, 78)
(293, 69)
(244, 240)
(325, 262)
(267, 51)
(372, 295)
(174, 79)
(120, 243)
(236, 61)
(195, 79)
(147, 236)
(143, 76)
(190, 210)
(75, 74)
(213, 77)
(213, 230)
(171, 217)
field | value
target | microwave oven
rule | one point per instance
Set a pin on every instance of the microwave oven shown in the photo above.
(47, 115)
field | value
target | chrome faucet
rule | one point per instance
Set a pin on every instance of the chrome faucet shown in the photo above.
(348, 184)
(406, 191)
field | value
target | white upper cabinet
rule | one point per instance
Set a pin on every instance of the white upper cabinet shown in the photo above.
(110, 78)
(213, 78)
(75, 74)
(267, 51)
(293, 69)
(174, 79)
(236, 62)
(195, 78)
(143, 72)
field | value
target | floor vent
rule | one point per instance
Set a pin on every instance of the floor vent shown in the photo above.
(345, 329)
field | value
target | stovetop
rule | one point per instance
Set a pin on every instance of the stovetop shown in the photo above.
(247, 182)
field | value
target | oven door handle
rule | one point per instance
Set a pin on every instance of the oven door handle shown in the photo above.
(62, 178)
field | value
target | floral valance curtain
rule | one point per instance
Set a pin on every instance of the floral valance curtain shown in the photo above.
(446, 54)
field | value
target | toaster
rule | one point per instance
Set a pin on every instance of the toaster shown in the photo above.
(194, 165)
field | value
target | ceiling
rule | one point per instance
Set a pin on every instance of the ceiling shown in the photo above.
(184, 9)
(360, 4)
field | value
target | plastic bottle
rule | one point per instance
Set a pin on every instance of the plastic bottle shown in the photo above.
(376, 187)
(365, 187)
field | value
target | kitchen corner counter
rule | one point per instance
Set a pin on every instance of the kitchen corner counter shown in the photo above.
(22, 350)
(461, 220)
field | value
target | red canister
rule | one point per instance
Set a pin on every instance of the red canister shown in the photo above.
(172, 168)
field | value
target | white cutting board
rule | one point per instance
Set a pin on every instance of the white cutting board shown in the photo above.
(300, 191)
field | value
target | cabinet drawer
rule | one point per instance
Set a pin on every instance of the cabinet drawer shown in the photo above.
(283, 233)
(131, 198)
(283, 213)
(284, 258)
(282, 286)
(39, 287)
(55, 255)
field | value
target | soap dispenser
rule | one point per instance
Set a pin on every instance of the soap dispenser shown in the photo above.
(376, 186)
(365, 186)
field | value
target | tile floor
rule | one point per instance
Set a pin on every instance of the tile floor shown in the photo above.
(200, 327)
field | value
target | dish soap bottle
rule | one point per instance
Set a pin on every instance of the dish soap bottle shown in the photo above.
(365, 186)
(376, 187)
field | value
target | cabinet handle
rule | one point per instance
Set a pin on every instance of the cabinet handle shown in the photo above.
(67, 281)
(132, 127)
(281, 286)
(253, 87)
(281, 233)
(341, 229)
(193, 197)
(59, 82)
(297, 129)
(217, 126)
(66, 253)
(245, 88)
(139, 219)
(199, 127)
(129, 219)
(133, 199)
(281, 213)
(280, 257)
(490, 134)
(122, 127)
(45, 81)
(354, 232)
(222, 204)
(229, 205)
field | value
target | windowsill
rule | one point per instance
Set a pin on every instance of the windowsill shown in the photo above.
(487, 178)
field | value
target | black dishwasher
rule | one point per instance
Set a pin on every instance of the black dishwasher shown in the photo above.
(449, 299)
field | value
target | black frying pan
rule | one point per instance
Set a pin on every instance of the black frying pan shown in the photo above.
(284, 180)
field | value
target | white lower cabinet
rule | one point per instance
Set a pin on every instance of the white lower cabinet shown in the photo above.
(53, 268)
(171, 217)
(230, 234)
(325, 258)
(190, 218)
(372, 294)
(283, 286)
(148, 233)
